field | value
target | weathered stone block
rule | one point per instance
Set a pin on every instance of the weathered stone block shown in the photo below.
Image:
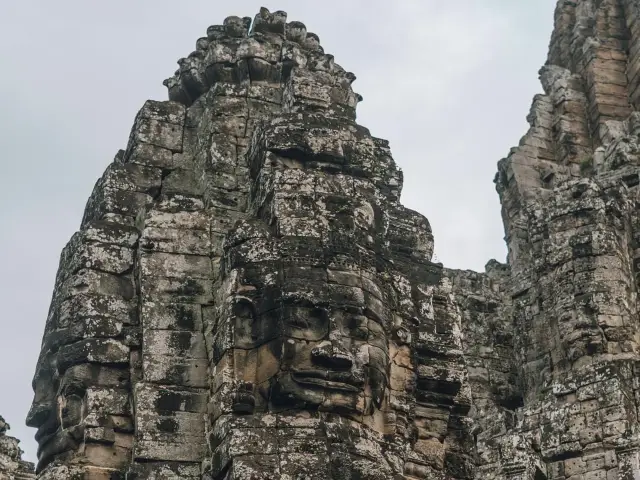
(158, 264)
(170, 370)
(105, 351)
(164, 399)
(152, 450)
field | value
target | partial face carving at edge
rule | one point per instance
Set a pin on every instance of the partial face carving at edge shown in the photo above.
(57, 419)
(60, 414)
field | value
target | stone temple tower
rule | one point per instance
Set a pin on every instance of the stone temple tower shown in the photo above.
(248, 299)
(567, 315)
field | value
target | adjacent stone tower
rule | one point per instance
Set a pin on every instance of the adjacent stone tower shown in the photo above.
(551, 340)
(247, 298)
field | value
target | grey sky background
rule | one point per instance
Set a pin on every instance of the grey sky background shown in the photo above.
(448, 83)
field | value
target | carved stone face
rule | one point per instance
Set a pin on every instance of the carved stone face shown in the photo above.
(332, 358)
(56, 417)
(312, 339)
(317, 337)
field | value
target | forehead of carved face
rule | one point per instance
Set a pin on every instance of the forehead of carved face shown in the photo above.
(334, 358)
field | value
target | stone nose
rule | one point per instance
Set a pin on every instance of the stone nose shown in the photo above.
(332, 355)
(38, 414)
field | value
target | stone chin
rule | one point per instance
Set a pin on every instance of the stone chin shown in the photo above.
(54, 445)
(48, 434)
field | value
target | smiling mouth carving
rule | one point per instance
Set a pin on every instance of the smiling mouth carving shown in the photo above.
(343, 381)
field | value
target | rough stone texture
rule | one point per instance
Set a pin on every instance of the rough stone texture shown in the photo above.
(551, 340)
(12, 467)
(247, 298)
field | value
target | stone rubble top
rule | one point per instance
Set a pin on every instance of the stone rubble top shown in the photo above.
(12, 467)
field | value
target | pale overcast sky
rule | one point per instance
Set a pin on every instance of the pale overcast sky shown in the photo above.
(448, 83)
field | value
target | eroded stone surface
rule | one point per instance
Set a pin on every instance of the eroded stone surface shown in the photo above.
(12, 467)
(566, 393)
(247, 298)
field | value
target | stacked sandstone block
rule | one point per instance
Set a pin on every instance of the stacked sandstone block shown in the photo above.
(12, 467)
(246, 297)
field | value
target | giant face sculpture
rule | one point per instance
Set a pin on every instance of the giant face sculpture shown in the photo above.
(307, 282)
(322, 281)
(333, 357)
(319, 337)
